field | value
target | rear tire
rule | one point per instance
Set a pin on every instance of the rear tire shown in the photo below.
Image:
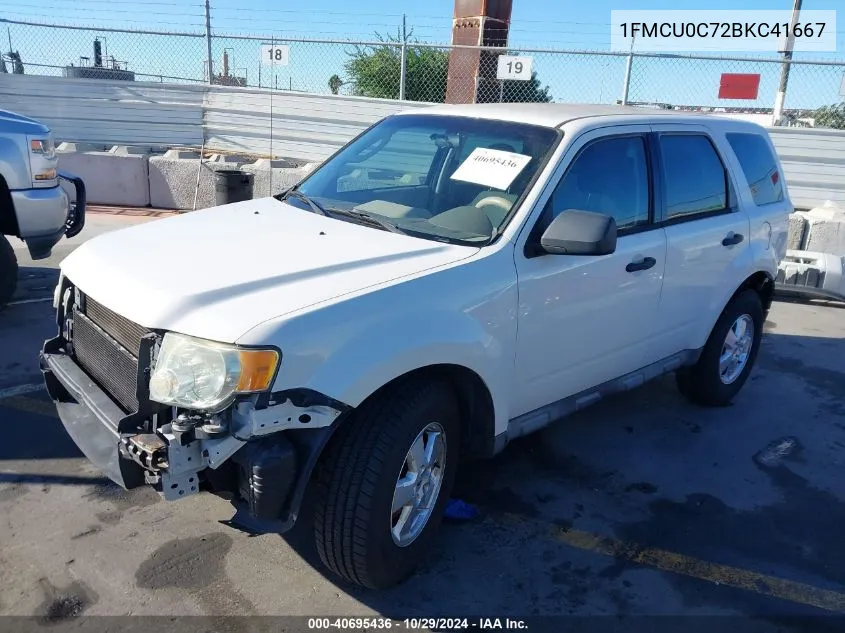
(725, 363)
(8, 272)
(362, 469)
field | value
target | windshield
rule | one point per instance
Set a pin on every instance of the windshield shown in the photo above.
(438, 177)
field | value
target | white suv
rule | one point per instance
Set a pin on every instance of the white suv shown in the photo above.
(450, 280)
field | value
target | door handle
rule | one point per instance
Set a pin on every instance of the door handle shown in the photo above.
(732, 239)
(644, 264)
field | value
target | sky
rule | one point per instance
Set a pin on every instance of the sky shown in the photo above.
(546, 24)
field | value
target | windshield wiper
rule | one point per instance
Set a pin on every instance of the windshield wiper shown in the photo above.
(329, 212)
(371, 219)
(315, 206)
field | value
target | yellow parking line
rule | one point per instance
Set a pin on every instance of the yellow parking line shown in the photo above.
(675, 563)
(29, 405)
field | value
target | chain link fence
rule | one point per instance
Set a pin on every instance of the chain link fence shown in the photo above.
(414, 71)
(70, 51)
(694, 81)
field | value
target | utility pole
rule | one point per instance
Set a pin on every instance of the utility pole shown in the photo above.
(403, 61)
(780, 97)
(208, 40)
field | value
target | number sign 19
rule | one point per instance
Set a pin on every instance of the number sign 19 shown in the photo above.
(275, 55)
(514, 68)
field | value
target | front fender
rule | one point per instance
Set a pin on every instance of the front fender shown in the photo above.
(14, 162)
(384, 352)
(465, 316)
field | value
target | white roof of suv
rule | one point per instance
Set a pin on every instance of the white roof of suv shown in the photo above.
(558, 114)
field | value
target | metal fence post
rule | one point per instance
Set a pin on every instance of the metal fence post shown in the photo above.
(780, 97)
(629, 63)
(208, 41)
(403, 61)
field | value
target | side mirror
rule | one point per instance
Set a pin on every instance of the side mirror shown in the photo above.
(580, 233)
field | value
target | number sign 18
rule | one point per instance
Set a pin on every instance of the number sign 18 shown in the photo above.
(275, 55)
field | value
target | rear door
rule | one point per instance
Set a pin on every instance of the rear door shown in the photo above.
(766, 198)
(707, 235)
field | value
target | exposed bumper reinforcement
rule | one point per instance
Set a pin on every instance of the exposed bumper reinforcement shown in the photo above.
(270, 478)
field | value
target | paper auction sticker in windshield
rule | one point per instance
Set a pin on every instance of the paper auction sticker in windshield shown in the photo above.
(491, 168)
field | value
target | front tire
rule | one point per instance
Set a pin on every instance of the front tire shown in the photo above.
(383, 483)
(8, 272)
(728, 356)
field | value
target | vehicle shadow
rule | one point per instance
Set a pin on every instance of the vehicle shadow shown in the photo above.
(650, 470)
(24, 326)
(35, 282)
(58, 480)
(821, 303)
(31, 431)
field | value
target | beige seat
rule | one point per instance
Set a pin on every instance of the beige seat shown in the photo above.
(496, 204)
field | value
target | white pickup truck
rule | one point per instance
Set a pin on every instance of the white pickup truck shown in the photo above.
(450, 280)
(33, 206)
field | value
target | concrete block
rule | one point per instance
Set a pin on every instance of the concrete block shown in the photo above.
(283, 176)
(797, 231)
(173, 181)
(109, 178)
(282, 163)
(81, 147)
(228, 158)
(824, 230)
(825, 236)
(360, 179)
(828, 211)
(182, 153)
(125, 150)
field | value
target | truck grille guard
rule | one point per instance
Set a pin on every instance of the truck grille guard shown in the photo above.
(76, 213)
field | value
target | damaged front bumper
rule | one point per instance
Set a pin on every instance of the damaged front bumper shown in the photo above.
(260, 453)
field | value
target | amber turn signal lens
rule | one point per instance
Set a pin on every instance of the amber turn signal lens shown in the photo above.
(257, 369)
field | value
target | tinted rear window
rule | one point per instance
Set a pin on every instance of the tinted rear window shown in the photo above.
(759, 167)
(693, 174)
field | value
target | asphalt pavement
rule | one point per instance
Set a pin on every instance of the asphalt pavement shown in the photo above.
(642, 505)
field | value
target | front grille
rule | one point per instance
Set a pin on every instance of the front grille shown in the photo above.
(112, 366)
(120, 328)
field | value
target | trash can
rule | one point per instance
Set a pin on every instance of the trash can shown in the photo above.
(232, 185)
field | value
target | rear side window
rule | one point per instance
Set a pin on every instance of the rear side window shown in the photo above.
(759, 167)
(694, 177)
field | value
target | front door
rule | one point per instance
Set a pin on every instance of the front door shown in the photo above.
(586, 320)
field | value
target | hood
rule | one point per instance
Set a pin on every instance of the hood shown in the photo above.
(219, 272)
(13, 123)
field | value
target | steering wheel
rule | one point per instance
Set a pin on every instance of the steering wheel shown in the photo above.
(495, 201)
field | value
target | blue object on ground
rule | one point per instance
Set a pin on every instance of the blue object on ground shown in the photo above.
(457, 510)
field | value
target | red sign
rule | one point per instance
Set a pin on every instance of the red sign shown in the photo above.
(739, 86)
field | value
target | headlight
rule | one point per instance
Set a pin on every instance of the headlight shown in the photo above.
(204, 375)
(42, 162)
(43, 147)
